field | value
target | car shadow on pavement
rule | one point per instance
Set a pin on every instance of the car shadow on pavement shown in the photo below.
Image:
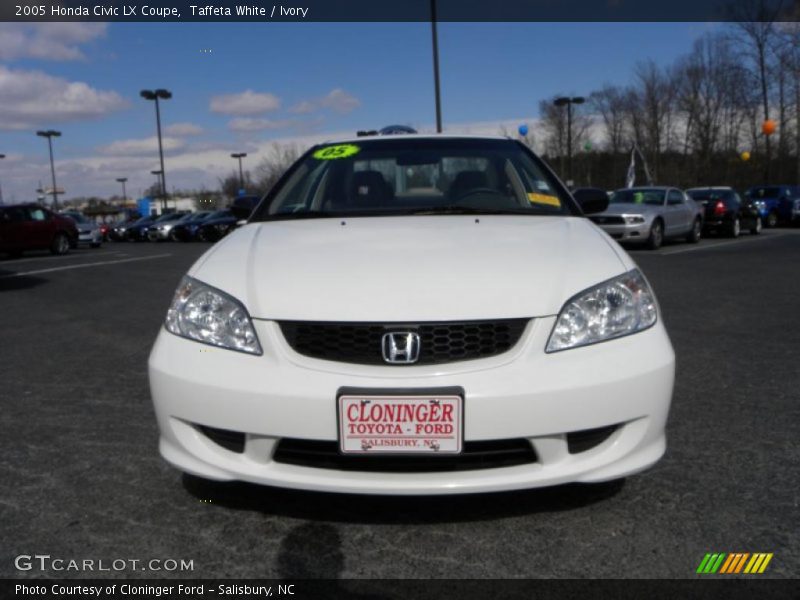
(387, 510)
(9, 281)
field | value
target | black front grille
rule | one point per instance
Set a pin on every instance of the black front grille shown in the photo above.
(230, 440)
(608, 220)
(586, 439)
(444, 342)
(491, 454)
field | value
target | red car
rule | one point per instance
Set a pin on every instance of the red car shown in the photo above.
(33, 227)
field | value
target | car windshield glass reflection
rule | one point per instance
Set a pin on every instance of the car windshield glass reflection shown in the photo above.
(638, 196)
(412, 176)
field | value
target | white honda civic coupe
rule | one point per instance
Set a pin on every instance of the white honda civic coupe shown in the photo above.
(414, 314)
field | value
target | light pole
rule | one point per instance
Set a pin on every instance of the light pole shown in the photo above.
(436, 68)
(568, 102)
(2, 156)
(240, 156)
(156, 95)
(50, 134)
(122, 180)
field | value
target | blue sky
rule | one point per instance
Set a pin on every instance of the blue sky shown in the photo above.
(241, 86)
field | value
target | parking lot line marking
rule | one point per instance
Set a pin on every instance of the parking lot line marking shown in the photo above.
(68, 256)
(720, 244)
(81, 266)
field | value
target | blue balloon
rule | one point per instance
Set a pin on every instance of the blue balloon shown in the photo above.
(523, 130)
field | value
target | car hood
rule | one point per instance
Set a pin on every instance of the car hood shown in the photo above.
(630, 209)
(421, 268)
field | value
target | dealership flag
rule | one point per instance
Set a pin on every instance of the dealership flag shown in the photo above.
(630, 178)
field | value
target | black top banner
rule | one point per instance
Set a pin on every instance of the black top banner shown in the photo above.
(398, 10)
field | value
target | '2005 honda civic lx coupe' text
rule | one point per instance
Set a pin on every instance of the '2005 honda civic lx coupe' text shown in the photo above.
(414, 314)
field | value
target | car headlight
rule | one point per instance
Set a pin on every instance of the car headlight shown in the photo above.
(632, 219)
(205, 314)
(612, 309)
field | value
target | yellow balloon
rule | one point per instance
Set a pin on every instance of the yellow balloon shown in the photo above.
(745, 155)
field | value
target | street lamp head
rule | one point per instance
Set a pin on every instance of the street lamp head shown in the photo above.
(2, 156)
(156, 172)
(147, 95)
(163, 94)
(49, 133)
(561, 101)
(238, 154)
(122, 179)
(578, 100)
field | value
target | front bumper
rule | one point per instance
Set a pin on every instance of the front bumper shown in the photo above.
(158, 235)
(627, 232)
(523, 393)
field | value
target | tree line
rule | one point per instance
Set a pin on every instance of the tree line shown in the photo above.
(698, 121)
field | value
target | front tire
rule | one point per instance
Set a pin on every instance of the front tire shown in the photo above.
(60, 244)
(756, 229)
(735, 228)
(697, 230)
(656, 237)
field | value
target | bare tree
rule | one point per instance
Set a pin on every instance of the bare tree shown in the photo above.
(279, 158)
(755, 25)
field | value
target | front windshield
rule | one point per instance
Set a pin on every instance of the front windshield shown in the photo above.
(653, 197)
(764, 192)
(404, 176)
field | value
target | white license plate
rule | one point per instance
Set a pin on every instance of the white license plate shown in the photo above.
(400, 424)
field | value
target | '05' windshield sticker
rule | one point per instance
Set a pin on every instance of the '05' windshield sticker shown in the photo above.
(340, 151)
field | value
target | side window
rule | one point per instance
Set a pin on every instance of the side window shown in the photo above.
(674, 197)
(37, 214)
(16, 214)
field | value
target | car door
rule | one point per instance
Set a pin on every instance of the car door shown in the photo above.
(10, 227)
(39, 227)
(675, 213)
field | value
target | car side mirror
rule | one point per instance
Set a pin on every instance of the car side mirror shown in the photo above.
(591, 200)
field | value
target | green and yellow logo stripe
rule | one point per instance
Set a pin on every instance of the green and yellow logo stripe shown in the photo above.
(734, 563)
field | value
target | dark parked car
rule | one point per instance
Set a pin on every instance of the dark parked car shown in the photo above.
(216, 226)
(137, 231)
(724, 211)
(185, 230)
(33, 227)
(776, 203)
(118, 232)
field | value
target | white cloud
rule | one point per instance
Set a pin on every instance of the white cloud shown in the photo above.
(183, 129)
(336, 100)
(142, 146)
(243, 125)
(340, 101)
(302, 108)
(247, 103)
(47, 41)
(32, 98)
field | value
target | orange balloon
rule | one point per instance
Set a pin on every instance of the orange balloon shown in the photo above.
(769, 127)
(745, 156)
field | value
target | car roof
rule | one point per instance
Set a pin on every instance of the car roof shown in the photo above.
(709, 187)
(18, 204)
(415, 136)
(655, 188)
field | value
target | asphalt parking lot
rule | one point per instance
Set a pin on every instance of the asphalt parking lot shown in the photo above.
(82, 478)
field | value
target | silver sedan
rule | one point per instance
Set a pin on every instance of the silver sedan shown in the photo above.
(649, 215)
